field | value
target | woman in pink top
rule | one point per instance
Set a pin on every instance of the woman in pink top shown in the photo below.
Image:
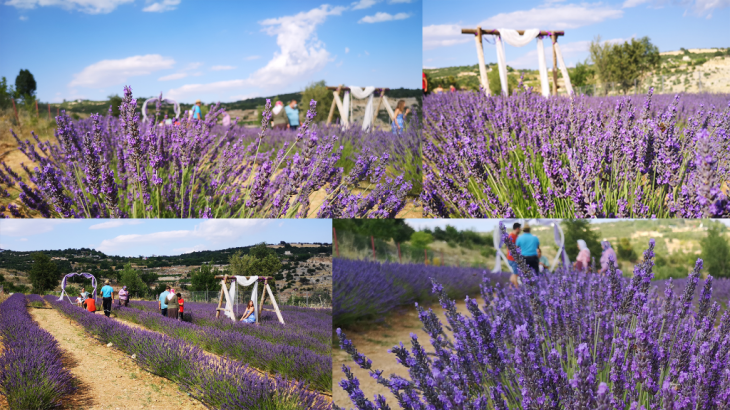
(608, 253)
(124, 296)
(583, 261)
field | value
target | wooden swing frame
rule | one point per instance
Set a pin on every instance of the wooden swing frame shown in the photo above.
(337, 102)
(478, 33)
(224, 295)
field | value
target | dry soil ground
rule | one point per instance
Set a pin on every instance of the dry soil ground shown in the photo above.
(374, 341)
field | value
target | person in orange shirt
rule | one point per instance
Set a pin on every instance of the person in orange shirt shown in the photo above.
(90, 304)
(181, 302)
(514, 278)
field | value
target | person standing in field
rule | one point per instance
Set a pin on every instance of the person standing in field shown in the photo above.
(544, 263)
(292, 112)
(399, 116)
(107, 294)
(162, 301)
(172, 304)
(529, 244)
(280, 118)
(583, 261)
(196, 110)
(124, 296)
(181, 303)
(90, 304)
(514, 278)
(608, 253)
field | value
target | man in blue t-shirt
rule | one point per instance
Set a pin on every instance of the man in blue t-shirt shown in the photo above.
(293, 114)
(162, 302)
(107, 294)
(529, 244)
(196, 110)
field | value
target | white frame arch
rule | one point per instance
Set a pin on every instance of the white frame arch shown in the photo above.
(155, 99)
(557, 232)
(84, 274)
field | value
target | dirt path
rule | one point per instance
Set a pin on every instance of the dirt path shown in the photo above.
(374, 341)
(108, 378)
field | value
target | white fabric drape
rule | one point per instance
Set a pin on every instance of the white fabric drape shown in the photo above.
(498, 246)
(361, 94)
(563, 69)
(243, 281)
(544, 83)
(513, 38)
(346, 107)
(501, 65)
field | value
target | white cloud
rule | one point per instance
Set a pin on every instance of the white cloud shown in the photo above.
(190, 249)
(634, 3)
(347, 50)
(300, 54)
(21, 227)
(175, 76)
(214, 230)
(554, 17)
(112, 72)
(222, 67)
(193, 66)
(23, 240)
(84, 6)
(249, 58)
(364, 4)
(398, 1)
(443, 35)
(23, 18)
(380, 17)
(700, 7)
(115, 223)
(159, 7)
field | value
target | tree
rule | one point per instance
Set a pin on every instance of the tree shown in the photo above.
(495, 85)
(716, 252)
(130, 278)
(624, 63)
(25, 84)
(421, 240)
(204, 279)
(261, 261)
(581, 75)
(626, 251)
(599, 56)
(385, 229)
(575, 229)
(44, 274)
(6, 94)
(318, 91)
(115, 101)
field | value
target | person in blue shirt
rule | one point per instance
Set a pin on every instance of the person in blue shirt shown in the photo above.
(529, 244)
(293, 113)
(196, 110)
(107, 294)
(162, 301)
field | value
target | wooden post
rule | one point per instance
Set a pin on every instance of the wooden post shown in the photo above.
(263, 296)
(380, 101)
(15, 109)
(276, 307)
(480, 56)
(337, 246)
(49, 111)
(332, 107)
(400, 260)
(340, 108)
(58, 111)
(555, 65)
(372, 241)
(220, 297)
(425, 257)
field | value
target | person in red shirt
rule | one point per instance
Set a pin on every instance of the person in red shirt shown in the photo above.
(514, 278)
(181, 302)
(90, 304)
(425, 84)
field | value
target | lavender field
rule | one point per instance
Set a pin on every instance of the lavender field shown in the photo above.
(121, 167)
(567, 340)
(587, 157)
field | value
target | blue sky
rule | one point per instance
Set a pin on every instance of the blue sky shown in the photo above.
(157, 236)
(212, 50)
(670, 24)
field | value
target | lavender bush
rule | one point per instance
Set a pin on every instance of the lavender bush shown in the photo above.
(31, 373)
(527, 156)
(569, 340)
(104, 167)
(363, 289)
(217, 382)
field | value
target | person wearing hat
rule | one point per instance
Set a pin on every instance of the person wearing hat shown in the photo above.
(196, 110)
(281, 121)
(529, 244)
(107, 298)
(162, 301)
(124, 296)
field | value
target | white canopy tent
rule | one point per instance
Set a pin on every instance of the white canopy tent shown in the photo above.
(557, 234)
